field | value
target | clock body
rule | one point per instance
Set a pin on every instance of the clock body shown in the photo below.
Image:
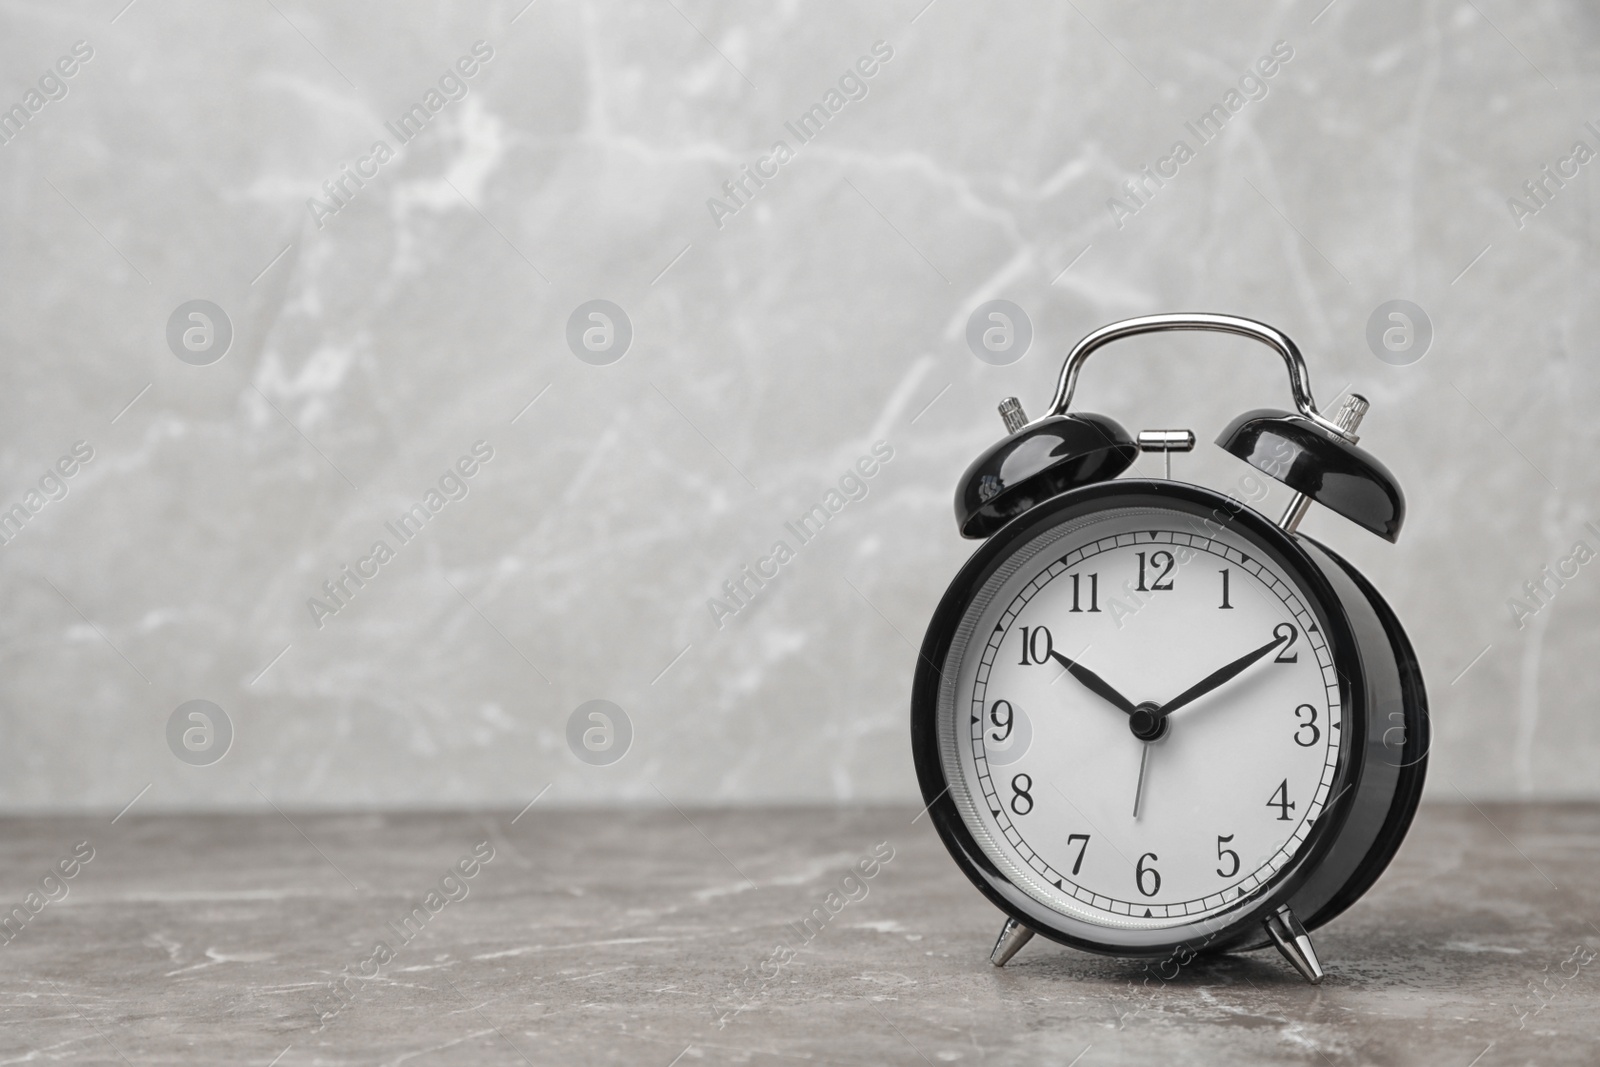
(1291, 782)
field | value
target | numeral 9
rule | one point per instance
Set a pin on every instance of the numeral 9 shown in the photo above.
(1005, 724)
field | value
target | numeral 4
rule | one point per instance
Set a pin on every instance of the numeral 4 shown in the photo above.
(1280, 800)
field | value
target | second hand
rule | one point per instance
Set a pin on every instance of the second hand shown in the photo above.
(1138, 794)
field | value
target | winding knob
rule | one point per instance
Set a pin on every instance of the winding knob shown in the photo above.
(1011, 412)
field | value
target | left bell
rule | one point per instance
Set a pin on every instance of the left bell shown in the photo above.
(1036, 462)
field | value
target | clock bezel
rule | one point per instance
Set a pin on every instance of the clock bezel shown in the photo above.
(1221, 929)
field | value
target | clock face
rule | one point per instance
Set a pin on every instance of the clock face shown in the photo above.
(1145, 721)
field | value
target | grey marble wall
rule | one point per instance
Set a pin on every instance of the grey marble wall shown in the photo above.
(393, 308)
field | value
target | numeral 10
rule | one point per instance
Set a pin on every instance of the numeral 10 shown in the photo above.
(1036, 645)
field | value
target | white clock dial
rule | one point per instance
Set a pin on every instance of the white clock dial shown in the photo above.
(1136, 607)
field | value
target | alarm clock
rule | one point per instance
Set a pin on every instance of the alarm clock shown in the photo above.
(1149, 720)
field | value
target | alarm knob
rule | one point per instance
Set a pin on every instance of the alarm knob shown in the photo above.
(1011, 413)
(1321, 463)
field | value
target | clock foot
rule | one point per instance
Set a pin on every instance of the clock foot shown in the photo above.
(1293, 941)
(1012, 937)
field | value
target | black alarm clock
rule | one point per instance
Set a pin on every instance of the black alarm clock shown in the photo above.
(1149, 720)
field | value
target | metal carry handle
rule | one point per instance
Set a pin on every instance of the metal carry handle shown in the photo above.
(1277, 340)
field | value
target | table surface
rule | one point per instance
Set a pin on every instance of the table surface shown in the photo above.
(667, 937)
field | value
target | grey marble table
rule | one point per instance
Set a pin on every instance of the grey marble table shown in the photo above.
(710, 937)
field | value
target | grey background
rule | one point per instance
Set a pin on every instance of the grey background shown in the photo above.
(767, 356)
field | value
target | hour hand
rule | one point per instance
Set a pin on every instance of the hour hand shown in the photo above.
(1094, 683)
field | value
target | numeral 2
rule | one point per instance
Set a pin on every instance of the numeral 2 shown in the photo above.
(1283, 655)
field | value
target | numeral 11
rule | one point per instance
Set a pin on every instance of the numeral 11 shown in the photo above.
(1094, 593)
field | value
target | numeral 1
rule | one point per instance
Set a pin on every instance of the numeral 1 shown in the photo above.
(1224, 573)
(1094, 593)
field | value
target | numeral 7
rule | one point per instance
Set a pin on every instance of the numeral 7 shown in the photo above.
(1083, 845)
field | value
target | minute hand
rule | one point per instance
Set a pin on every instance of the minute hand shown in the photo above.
(1094, 683)
(1217, 677)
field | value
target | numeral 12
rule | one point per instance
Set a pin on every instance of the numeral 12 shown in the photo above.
(1155, 561)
